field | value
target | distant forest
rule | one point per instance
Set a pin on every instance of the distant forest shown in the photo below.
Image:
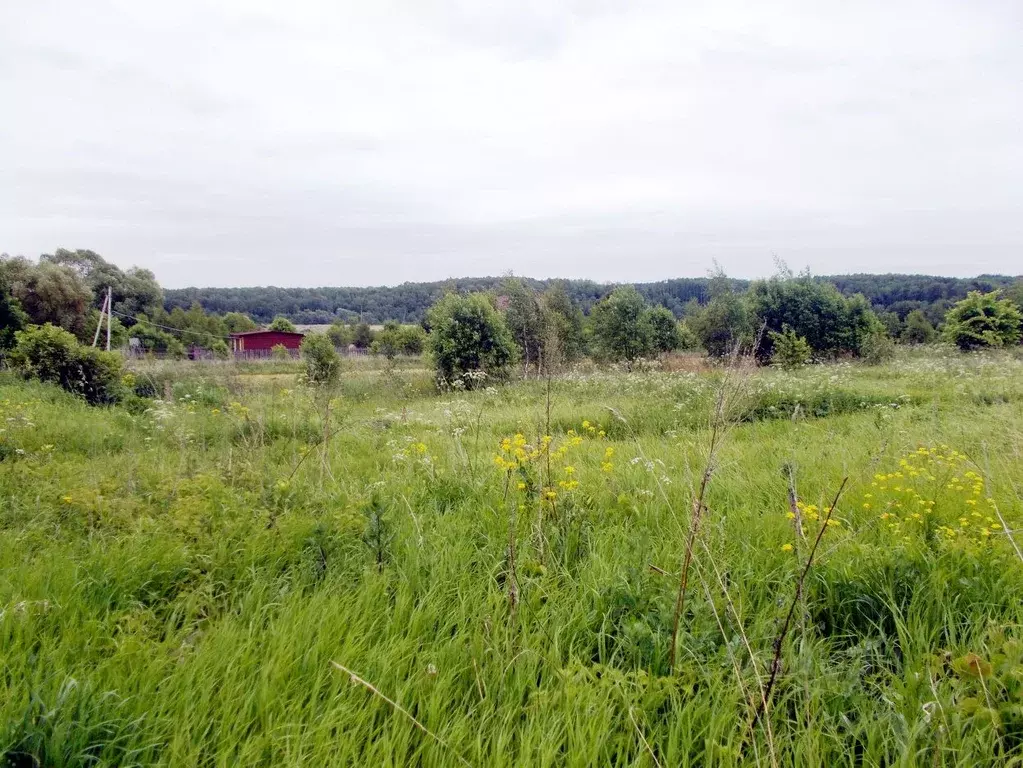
(408, 302)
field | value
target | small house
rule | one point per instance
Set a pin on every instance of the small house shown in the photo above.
(261, 343)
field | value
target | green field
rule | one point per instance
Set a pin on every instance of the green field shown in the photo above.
(181, 577)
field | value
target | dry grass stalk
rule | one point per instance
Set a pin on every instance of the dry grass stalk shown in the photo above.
(779, 639)
(732, 386)
(398, 708)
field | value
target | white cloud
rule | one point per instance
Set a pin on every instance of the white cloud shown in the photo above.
(313, 143)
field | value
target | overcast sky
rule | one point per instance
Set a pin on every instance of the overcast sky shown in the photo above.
(252, 142)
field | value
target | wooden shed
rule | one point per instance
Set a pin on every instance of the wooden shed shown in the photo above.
(261, 343)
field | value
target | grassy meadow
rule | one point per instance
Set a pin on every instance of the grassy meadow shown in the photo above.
(243, 571)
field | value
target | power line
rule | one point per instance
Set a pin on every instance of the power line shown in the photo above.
(170, 328)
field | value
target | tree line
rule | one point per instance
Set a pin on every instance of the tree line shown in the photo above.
(834, 316)
(49, 310)
(892, 296)
(788, 320)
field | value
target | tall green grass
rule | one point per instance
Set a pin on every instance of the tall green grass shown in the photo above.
(175, 579)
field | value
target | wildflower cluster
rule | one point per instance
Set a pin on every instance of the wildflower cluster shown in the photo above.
(237, 409)
(413, 452)
(810, 513)
(516, 454)
(933, 492)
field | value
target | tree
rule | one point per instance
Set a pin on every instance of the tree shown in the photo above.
(917, 329)
(893, 324)
(412, 340)
(134, 291)
(340, 334)
(564, 322)
(468, 335)
(283, 324)
(236, 322)
(830, 323)
(153, 339)
(664, 330)
(724, 323)
(362, 336)
(12, 317)
(397, 339)
(49, 293)
(983, 320)
(687, 338)
(323, 364)
(1014, 293)
(525, 319)
(388, 341)
(620, 328)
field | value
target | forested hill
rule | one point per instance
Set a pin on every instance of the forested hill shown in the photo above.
(408, 302)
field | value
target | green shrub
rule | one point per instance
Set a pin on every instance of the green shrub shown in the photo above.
(468, 338)
(53, 355)
(220, 350)
(877, 347)
(983, 320)
(687, 338)
(323, 363)
(280, 352)
(918, 329)
(153, 339)
(664, 330)
(790, 351)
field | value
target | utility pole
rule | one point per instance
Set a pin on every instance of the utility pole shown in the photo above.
(109, 315)
(99, 323)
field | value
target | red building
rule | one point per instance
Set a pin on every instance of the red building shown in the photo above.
(261, 343)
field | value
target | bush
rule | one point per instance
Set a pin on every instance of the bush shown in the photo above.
(468, 337)
(323, 363)
(790, 351)
(877, 347)
(917, 329)
(983, 320)
(664, 330)
(388, 341)
(153, 339)
(220, 350)
(280, 352)
(723, 324)
(397, 339)
(687, 338)
(53, 355)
